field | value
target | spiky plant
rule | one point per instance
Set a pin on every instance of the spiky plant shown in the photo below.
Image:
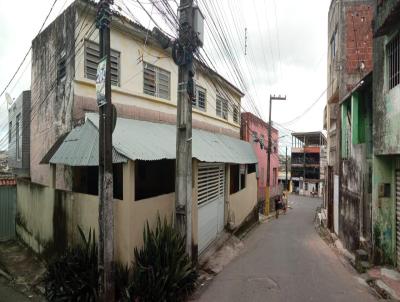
(74, 276)
(162, 271)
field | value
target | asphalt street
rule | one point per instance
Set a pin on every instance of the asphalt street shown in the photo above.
(285, 259)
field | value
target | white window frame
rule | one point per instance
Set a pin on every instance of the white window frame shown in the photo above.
(17, 137)
(195, 102)
(91, 51)
(158, 73)
(236, 115)
(222, 107)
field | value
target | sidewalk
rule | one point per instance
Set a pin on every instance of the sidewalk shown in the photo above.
(386, 281)
(21, 271)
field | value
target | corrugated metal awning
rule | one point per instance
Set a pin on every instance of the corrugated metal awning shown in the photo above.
(141, 140)
(81, 148)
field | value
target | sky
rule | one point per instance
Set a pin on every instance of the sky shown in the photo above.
(286, 51)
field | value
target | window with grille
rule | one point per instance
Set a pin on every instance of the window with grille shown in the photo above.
(92, 57)
(262, 141)
(156, 81)
(235, 114)
(18, 136)
(61, 68)
(222, 108)
(9, 132)
(201, 98)
(393, 53)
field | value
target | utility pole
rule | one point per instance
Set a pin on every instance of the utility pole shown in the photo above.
(286, 180)
(190, 38)
(106, 215)
(267, 187)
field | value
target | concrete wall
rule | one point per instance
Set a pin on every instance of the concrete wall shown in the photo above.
(52, 100)
(386, 108)
(47, 218)
(242, 203)
(21, 106)
(384, 211)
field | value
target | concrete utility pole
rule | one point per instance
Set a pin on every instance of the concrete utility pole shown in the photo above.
(286, 179)
(106, 216)
(267, 187)
(182, 51)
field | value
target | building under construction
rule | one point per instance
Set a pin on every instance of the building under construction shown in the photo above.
(307, 163)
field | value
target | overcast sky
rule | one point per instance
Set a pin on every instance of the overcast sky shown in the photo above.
(286, 50)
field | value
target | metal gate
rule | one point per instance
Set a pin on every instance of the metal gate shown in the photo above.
(8, 198)
(398, 216)
(211, 185)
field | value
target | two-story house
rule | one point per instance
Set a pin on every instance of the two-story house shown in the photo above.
(64, 139)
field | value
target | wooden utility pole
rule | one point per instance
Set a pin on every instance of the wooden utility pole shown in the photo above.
(267, 187)
(106, 216)
(183, 53)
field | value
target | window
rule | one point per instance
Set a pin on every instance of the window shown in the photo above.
(154, 178)
(346, 129)
(201, 98)
(222, 108)
(92, 57)
(251, 168)
(235, 114)
(237, 178)
(262, 141)
(254, 134)
(9, 132)
(156, 81)
(86, 180)
(333, 45)
(17, 137)
(393, 53)
(61, 68)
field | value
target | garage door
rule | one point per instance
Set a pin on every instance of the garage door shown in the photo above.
(211, 183)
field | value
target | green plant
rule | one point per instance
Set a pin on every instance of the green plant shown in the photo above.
(74, 276)
(122, 280)
(162, 271)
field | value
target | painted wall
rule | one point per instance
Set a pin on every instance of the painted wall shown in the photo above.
(251, 123)
(242, 203)
(47, 219)
(63, 103)
(384, 212)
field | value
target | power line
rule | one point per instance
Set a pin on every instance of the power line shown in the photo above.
(29, 50)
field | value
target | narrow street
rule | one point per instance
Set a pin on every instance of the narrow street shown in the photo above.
(286, 260)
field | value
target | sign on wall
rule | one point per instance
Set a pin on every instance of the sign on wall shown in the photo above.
(101, 82)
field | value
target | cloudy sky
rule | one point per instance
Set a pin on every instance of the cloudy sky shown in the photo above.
(286, 50)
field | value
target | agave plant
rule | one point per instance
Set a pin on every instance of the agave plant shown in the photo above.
(74, 276)
(162, 271)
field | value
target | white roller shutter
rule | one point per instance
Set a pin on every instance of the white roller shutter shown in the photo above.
(397, 188)
(211, 184)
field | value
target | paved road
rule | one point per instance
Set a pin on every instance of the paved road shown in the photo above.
(286, 260)
(8, 294)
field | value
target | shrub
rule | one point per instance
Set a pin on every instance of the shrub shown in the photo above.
(162, 271)
(74, 276)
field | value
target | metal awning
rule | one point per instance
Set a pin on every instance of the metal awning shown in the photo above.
(141, 140)
(81, 148)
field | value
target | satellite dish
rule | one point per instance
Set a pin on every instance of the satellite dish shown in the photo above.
(9, 100)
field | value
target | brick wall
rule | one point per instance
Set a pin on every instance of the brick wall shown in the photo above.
(359, 39)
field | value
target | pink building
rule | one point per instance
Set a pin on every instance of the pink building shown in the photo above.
(255, 131)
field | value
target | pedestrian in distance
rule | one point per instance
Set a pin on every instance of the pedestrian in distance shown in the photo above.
(284, 201)
(278, 206)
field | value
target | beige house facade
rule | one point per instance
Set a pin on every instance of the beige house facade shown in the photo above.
(62, 191)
